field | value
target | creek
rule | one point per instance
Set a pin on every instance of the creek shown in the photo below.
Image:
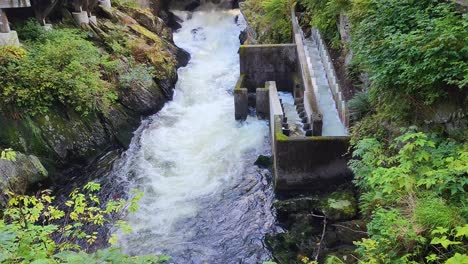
(204, 200)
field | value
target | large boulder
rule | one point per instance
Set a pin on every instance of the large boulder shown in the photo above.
(19, 174)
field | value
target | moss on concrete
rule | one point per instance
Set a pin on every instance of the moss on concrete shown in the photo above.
(240, 82)
(279, 136)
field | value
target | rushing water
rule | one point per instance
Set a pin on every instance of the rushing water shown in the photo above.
(204, 199)
(294, 121)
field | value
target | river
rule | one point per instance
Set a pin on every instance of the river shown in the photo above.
(204, 200)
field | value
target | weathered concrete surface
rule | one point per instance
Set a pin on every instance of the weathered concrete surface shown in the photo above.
(262, 104)
(241, 99)
(4, 26)
(310, 163)
(81, 17)
(241, 103)
(14, 3)
(105, 3)
(314, 116)
(305, 163)
(10, 39)
(262, 63)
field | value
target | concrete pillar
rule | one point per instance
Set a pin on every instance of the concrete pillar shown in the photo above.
(105, 3)
(9, 39)
(93, 19)
(316, 123)
(47, 27)
(81, 17)
(7, 36)
(4, 26)
(262, 103)
(241, 103)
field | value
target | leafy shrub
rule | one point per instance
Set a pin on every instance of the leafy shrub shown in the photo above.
(359, 105)
(434, 212)
(271, 20)
(413, 51)
(62, 68)
(30, 30)
(34, 230)
(8, 154)
(395, 179)
(139, 74)
(126, 3)
(11, 54)
(324, 16)
(391, 233)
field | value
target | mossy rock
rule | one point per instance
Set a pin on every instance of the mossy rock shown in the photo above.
(19, 174)
(296, 205)
(299, 241)
(339, 206)
(264, 161)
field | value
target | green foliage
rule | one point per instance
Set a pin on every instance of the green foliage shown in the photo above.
(359, 105)
(333, 260)
(61, 67)
(391, 233)
(126, 3)
(8, 154)
(412, 187)
(271, 20)
(414, 162)
(116, 39)
(30, 30)
(34, 230)
(413, 50)
(138, 74)
(435, 212)
(324, 16)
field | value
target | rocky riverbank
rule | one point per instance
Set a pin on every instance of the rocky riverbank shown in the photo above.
(63, 138)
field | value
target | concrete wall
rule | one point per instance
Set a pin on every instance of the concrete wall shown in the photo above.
(262, 63)
(241, 99)
(308, 163)
(304, 163)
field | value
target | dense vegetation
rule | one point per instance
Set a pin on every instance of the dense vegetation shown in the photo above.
(33, 230)
(68, 70)
(412, 181)
(270, 19)
(55, 67)
(415, 190)
(413, 184)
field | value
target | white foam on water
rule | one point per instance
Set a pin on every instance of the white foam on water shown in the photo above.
(193, 150)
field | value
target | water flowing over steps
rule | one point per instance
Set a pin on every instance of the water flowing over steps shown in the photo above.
(295, 122)
(332, 124)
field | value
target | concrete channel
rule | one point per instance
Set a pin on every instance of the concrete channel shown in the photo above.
(314, 156)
